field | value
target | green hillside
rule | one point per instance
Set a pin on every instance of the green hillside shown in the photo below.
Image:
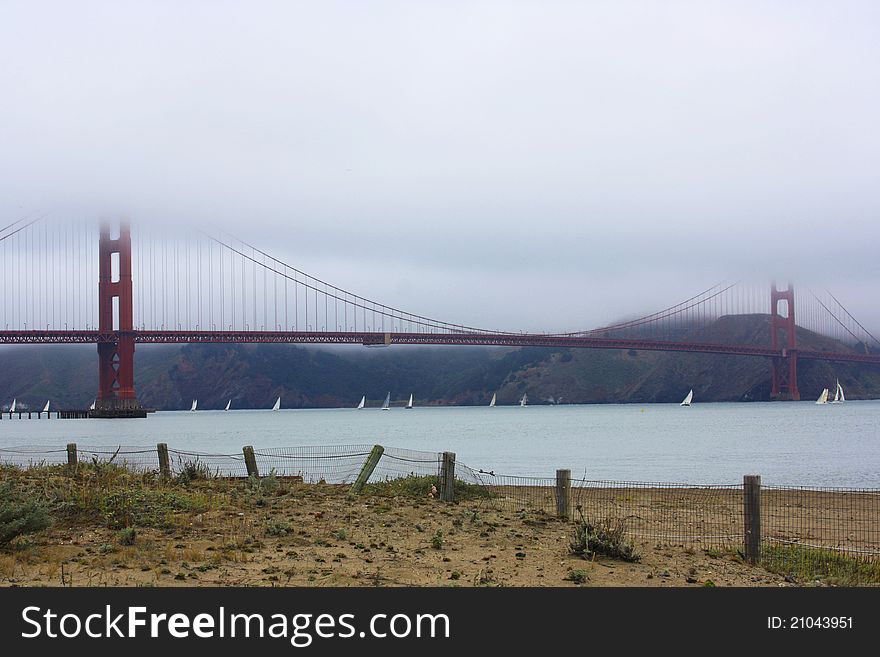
(169, 377)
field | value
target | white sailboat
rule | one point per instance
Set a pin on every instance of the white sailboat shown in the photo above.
(46, 407)
(194, 405)
(687, 400)
(410, 401)
(228, 404)
(823, 398)
(386, 405)
(363, 401)
(277, 405)
(12, 408)
(524, 401)
(839, 397)
(92, 407)
(492, 403)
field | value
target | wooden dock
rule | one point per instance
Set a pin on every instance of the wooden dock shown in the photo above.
(66, 414)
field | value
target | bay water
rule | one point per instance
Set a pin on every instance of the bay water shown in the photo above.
(787, 443)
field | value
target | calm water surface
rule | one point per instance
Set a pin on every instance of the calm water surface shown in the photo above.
(786, 443)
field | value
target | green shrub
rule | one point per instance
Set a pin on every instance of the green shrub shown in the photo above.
(127, 536)
(278, 528)
(605, 538)
(264, 485)
(437, 540)
(420, 486)
(194, 471)
(578, 576)
(18, 517)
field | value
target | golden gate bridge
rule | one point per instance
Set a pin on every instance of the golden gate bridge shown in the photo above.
(77, 282)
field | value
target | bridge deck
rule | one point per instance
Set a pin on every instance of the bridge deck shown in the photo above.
(384, 339)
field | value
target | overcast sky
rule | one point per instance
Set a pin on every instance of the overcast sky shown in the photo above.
(521, 165)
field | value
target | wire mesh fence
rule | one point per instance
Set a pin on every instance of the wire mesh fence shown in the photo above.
(133, 458)
(217, 465)
(831, 534)
(707, 516)
(826, 533)
(332, 464)
(27, 456)
(397, 462)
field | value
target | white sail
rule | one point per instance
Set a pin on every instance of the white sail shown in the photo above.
(277, 405)
(687, 400)
(92, 407)
(823, 398)
(524, 401)
(838, 394)
(410, 401)
(492, 403)
(363, 401)
(46, 407)
(228, 404)
(386, 405)
(194, 405)
(12, 408)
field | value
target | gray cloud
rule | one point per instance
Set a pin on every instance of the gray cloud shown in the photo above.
(524, 165)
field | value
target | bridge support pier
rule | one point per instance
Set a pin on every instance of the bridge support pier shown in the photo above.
(783, 336)
(116, 394)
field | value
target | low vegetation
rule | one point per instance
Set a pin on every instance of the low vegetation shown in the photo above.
(106, 493)
(606, 538)
(19, 517)
(421, 486)
(810, 565)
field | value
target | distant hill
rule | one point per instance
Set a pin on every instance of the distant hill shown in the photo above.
(169, 377)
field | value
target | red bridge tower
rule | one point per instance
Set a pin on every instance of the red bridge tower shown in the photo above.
(116, 395)
(783, 337)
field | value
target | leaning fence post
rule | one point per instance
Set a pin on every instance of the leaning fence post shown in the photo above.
(752, 517)
(447, 477)
(367, 469)
(563, 494)
(250, 461)
(71, 454)
(164, 465)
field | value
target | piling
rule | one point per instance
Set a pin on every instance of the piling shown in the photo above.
(250, 461)
(367, 469)
(447, 477)
(752, 517)
(563, 494)
(164, 463)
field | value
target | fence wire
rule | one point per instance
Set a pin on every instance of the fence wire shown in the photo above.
(397, 463)
(28, 456)
(822, 533)
(671, 514)
(333, 464)
(217, 465)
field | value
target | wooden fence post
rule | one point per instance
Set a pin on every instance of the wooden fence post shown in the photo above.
(250, 461)
(164, 464)
(367, 469)
(447, 477)
(71, 454)
(563, 494)
(752, 517)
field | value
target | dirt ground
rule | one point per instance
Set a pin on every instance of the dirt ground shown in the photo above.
(314, 535)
